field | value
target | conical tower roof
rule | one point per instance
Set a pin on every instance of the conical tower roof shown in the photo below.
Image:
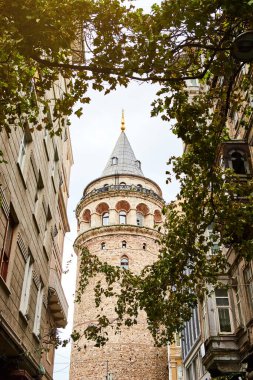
(122, 160)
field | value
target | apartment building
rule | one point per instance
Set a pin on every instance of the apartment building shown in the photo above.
(34, 188)
(218, 340)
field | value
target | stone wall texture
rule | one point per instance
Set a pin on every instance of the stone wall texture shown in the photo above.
(130, 354)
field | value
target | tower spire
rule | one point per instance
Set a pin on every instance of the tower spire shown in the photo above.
(123, 127)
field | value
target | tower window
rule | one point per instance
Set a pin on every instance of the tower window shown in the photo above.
(139, 219)
(122, 217)
(139, 187)
(124, 244)
(138, 164)
(144, 246)
(103, 245)
(105, 219)
(114, 160)
(124, 262)
(106, 187)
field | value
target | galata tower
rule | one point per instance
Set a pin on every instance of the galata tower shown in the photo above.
(117, 216)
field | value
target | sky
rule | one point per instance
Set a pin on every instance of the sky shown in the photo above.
(93, 137)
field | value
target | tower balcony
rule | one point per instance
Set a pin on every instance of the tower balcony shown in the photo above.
(126, 189)
(57, 302)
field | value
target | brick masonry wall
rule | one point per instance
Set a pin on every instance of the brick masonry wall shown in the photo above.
(131, 353)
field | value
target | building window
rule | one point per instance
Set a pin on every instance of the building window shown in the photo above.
(192, 83)
(7, 244)
(249, 285)
(55, 175)
(205, 321)
(222, 304)
(138, 164)
(177, 339)
(238, 163)
(139, 187)
(139, 219)
(22, 153)
(238, 305)
(122, 217)
(105, 219)
(37, 317)
(124, 262)
(123, 184)
(179, 372)
(25, 295)
(144, 246)
(124, 244)
(103, 246)
(106, 187)
(215, 247)
(114, 160)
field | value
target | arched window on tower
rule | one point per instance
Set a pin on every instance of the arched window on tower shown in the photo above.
(144, 246)
(122, 185)
(114, 160)
(105, 219)
(138, 164)
(124, 262)
(122, 217)
(139, 219)
(124, 244)
(103, 245)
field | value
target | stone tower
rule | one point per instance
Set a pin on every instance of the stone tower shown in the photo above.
(116, 218)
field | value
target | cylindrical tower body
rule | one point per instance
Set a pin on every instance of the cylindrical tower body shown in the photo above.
(116, 219)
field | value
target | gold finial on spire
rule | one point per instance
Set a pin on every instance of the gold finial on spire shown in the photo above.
(123, 122)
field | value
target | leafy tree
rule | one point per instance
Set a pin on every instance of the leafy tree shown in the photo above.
(178, 41)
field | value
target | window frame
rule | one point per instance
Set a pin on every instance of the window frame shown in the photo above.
(244, 160)
(115, 160)
(248, 285)
(38, 310)
(26, 287)
(124, 262)
(105, 218)
(7, 245)
(223, 307)
(139, 219)
(122, 217)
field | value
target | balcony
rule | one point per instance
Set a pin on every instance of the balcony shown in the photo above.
(57, 302)
(129, 188)
(222, 355)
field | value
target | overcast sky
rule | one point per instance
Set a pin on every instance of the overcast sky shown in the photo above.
(93, 139)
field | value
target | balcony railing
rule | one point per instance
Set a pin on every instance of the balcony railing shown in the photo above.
(130, 188)
(57, 301)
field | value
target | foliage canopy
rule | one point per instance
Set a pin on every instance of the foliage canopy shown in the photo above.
(178, 41)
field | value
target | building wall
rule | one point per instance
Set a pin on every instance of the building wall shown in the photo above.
(229, 353)
(31, 184)
(130, 354)
(175, 364)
